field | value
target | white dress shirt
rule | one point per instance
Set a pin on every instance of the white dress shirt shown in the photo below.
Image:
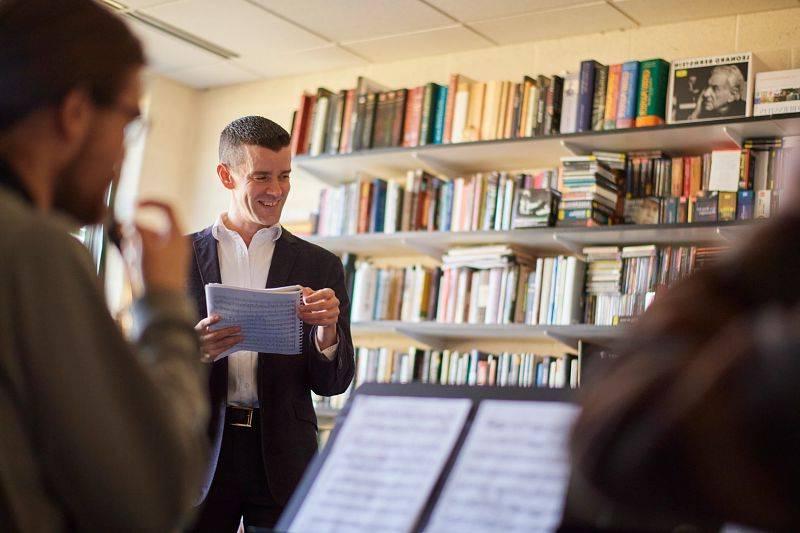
(247, 267)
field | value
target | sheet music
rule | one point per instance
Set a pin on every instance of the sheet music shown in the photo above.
(383, 465)
(268, 317)
(512, 472)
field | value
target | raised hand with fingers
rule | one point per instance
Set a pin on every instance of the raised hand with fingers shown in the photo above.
(321, 308)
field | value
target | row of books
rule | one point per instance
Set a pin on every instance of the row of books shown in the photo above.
(484, 201)
(622, 282)
(503, 285)
(595, 97)
(446, 367)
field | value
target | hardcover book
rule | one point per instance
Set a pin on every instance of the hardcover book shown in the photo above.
(569, 103)
(586, 94)
(653, 81)
(628, 95)
(599, 103)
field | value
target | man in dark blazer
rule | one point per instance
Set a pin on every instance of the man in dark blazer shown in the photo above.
(263, 428)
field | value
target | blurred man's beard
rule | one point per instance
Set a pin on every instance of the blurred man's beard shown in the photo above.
(73, 197)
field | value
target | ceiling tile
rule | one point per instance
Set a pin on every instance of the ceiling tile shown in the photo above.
(351, 20)
(651, 12)
(166, 53)
(217, 75)
(419, 44)
(589, 18)
(276, 65)
(475, 10)
(236, 25)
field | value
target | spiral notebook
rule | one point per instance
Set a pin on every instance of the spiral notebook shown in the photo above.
(268, 317)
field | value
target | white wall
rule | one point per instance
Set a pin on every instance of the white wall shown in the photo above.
(180, 163)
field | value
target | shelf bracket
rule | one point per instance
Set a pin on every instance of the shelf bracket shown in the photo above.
(566, 340)
(327, 178)
(570, 247)
(433, 165)
(573, 148)
(434, 341)
(733, 135)
(731, 234)
(423, 248)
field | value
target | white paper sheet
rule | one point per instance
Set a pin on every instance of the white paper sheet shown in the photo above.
(724, 170)
(512, 472)
(383, 465)
(268, 317)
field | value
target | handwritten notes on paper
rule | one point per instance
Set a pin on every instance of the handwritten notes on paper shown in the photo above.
(383, 465)
(511, 474)
(268, 317)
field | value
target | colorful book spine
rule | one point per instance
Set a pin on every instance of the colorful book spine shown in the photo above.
(413, 117)
(653, 81)
(612, 97)
(428, 100)
(599, 100)
(439, 117)
(398, 119)
(586, 95)
(628, 86)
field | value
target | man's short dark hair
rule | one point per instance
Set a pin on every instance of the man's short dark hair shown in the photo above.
(48, 49)
(252, 130)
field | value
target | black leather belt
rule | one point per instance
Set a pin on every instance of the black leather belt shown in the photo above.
(243, 417)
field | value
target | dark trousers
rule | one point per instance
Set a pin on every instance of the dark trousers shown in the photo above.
(240, 487)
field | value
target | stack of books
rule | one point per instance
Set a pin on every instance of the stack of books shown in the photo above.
(590, 192)
(603, 281)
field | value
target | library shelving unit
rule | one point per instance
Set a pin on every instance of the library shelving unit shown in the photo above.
(544, 151)
(531, 153)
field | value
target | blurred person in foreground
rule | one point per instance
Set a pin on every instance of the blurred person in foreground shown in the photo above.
(699, 419)
(97, 434)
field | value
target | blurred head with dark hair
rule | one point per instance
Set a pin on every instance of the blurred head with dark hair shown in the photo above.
(255, 164)
(69, 84)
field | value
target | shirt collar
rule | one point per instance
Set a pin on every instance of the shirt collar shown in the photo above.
(220, 231)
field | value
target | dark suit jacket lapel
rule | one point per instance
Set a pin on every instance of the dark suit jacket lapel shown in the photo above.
(205, 252)
(282, 260)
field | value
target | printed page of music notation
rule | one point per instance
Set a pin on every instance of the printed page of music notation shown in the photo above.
(383, 465)
(268, 317)
(511, 473)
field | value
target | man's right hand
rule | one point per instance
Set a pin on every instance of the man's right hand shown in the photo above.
(213, 343)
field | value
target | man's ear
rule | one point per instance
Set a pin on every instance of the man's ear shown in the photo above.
(73, 116)
(225, 176)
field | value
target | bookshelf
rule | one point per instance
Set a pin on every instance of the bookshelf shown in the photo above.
(544, 151)
(546, 240)
(441, 335)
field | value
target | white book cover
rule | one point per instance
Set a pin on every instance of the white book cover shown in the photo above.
(544, 295)
(460, 110)
(537, 292)
(569, 102)
(495, 278)
(474, 298)
(390, 215)
(777, 92)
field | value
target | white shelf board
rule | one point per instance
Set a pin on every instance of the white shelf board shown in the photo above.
(544, 240)
(540, 152)
(441, 335)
